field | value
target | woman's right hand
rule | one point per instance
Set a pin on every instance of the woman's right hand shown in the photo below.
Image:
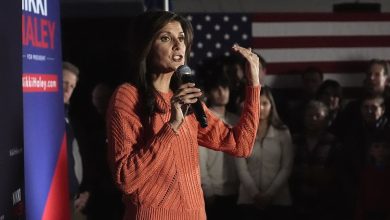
(252, 66)
(186, 94)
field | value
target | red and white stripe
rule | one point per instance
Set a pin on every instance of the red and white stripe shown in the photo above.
(338, 44)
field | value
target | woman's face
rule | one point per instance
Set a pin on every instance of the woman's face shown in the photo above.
(265, 107)
(168, 49)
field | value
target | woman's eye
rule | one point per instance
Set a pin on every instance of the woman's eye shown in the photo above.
(165, 38)
(181, 38)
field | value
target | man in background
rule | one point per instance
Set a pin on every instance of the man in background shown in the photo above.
(78, 200)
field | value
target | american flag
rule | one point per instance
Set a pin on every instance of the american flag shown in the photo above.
(338, 44)
(215, 34)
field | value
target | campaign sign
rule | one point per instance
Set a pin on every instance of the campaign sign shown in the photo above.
(46, 184)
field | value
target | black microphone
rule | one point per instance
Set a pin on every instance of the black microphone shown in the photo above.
(186, 76)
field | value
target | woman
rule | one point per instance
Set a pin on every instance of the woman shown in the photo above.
(153, 148)
(264, 191)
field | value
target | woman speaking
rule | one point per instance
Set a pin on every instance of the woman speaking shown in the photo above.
(153, 134)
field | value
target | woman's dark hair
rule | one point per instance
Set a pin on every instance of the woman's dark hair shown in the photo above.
(145, 28)
(274, 116)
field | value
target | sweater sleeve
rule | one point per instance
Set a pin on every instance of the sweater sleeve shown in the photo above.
(132, 160)
(286, 164)
(246, 180)
(237, 141)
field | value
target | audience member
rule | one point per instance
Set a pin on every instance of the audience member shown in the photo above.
(375, 82)
(356, 142)
(233, 66)
(314, 180)
(312, 78)
(217, 169)
(264, 189)
(78, 200)
(330, 93)
(373, 200)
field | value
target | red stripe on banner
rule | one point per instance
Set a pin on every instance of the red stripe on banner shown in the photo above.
(326, 67)
(57, 205)
(320, 42)
(323, 17)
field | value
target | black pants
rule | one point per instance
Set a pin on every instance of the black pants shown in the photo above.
(273, 212)
(224, 207)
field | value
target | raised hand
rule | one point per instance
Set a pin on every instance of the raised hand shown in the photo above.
(252, 65)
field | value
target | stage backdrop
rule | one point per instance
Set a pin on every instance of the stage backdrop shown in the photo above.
(11, 112)
(337, 43)
(44, 132)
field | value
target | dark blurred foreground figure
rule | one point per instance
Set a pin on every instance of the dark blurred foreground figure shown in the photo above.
(154, 137)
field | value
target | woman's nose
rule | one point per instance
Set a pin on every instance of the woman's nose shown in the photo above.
(177, 44)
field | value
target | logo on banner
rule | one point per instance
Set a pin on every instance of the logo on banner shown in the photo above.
(37, 31)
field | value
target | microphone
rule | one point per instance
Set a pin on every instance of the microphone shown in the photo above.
(186, 76)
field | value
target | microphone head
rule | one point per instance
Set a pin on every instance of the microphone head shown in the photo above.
(184, 70)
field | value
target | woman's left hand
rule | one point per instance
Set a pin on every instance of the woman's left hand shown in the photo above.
(187, 94)
(252, 67)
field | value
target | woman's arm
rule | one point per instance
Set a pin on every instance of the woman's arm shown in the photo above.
(239, 140)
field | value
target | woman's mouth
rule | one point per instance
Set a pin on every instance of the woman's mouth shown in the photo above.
(177, 58)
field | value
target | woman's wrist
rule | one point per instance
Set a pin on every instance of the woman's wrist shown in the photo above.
(254, 82)
(175, 126)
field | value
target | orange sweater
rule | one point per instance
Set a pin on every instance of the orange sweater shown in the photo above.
(160, 177)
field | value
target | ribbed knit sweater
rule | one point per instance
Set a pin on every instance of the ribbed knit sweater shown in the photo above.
(158, 171)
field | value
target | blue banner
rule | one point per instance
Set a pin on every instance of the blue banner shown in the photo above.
(44, 130)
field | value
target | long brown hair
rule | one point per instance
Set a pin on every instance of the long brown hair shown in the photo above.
(145, 29)
(274, 119)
